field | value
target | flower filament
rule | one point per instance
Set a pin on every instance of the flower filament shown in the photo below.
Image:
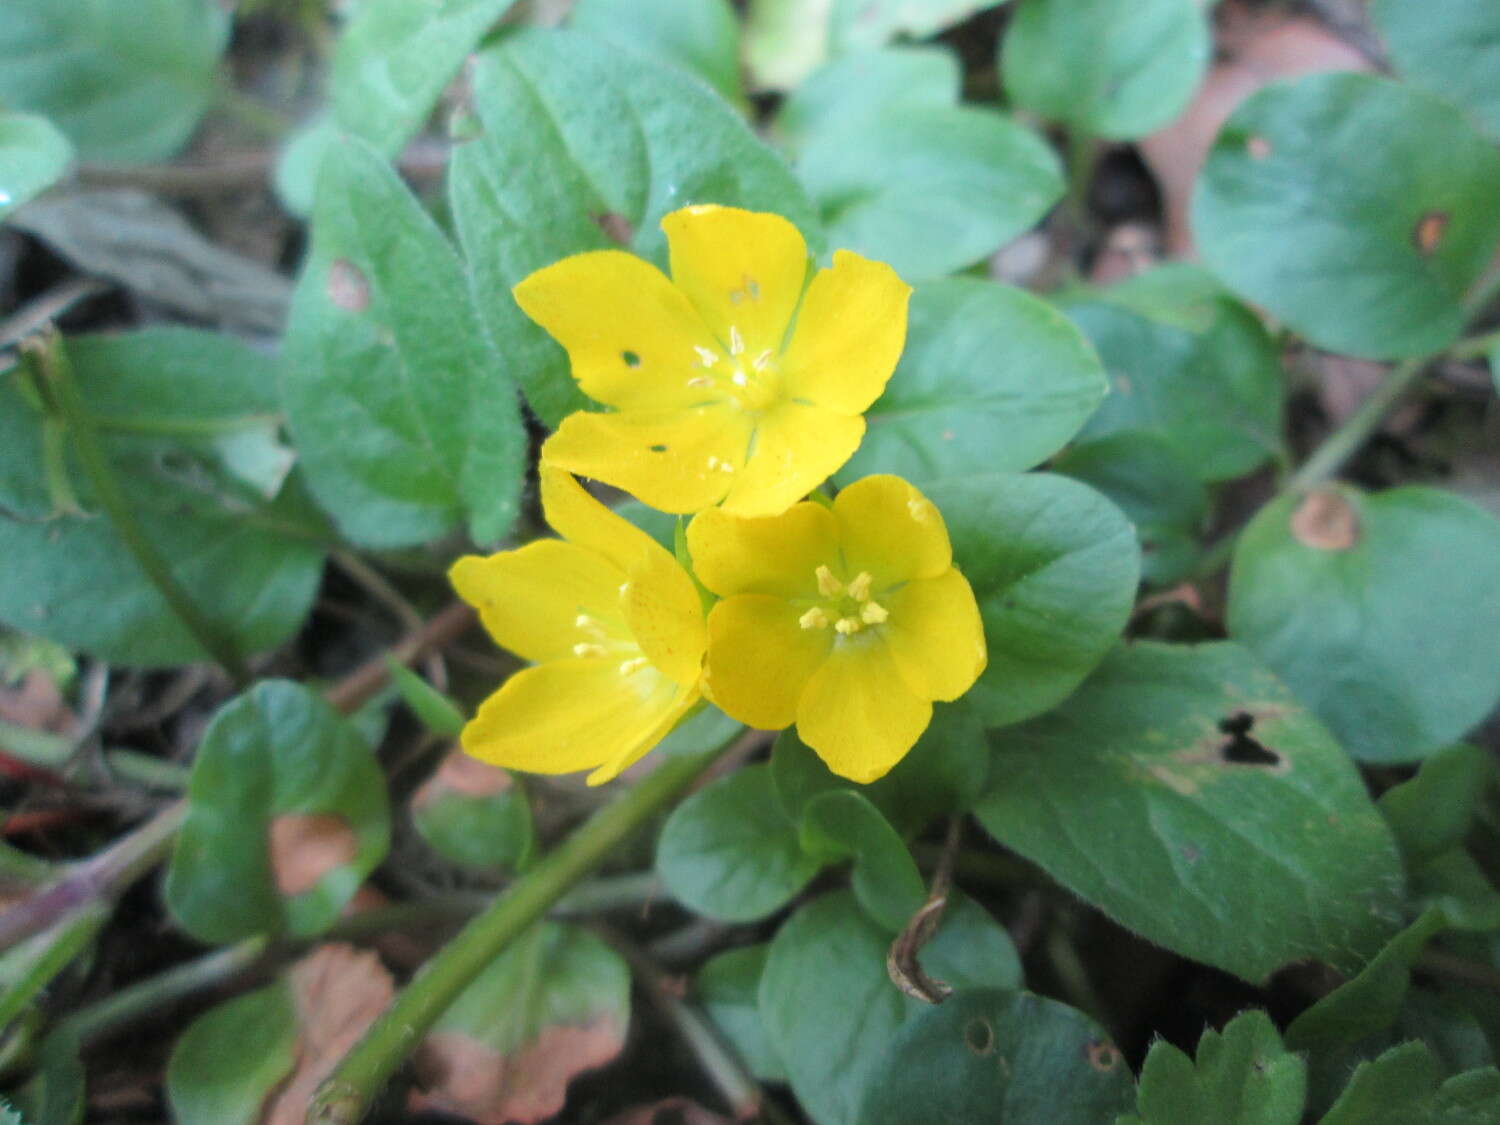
(849, 608)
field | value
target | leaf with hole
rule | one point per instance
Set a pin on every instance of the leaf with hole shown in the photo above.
(1185, 792)
(1384, 205)
(287, 814)
(1381, 612)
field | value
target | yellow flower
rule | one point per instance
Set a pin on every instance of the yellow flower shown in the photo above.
(717, 394)
(614, 627)
(849, 619)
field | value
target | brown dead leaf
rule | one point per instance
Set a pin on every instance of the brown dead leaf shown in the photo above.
(462, 774)
(36, 703)
(461, 1075)
(1257, 47)
(306, 846)
(338, 991)
(672, 1111)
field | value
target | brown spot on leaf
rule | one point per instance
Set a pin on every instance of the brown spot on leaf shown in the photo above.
(462, 774)
(307, 846)
(1103, 1056)
(348, 288)
(1429, 230)
(338, 991)
(1258, 147)
(615, 226)
(1326, 521)
(464, 1076)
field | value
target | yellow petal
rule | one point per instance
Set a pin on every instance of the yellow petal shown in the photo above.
(742, 269)
(679, 706)
(772, 555)
(936, 636)
(665, 616)
(630, 334)
(569, 715)
(892, 531)
(796, 448)
(760, 659)
(849, 334)
(669, 459)
(530, 599)
(580, 519)
(857, 711)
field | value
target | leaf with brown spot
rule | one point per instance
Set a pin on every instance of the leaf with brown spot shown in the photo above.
(1325, 521)
(475, 814)
(348, 288)
(556, 1003)
(304, 847)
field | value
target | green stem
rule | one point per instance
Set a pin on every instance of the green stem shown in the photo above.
(344, 1097)
(1345, 441)
(1083, 158)
(56, 751)
(57, 373)
(1475, 346)
(1484, 292)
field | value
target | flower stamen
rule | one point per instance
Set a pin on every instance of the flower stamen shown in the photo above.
(859, 588)
(828, 585)
(635, 664)
(736, 341)
(848, 626)
(585, 649)
(815, 618)
(873, 613)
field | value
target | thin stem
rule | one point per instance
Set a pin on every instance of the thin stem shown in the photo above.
(1485, 290)
(1345, 441)
(57, 372)
(54, 751)
(1475, 346)
(343, 1098)
(1082, 159)
(378, 587)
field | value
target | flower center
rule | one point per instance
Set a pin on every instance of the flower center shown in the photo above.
(596, 640)
(750, 383)
(847, 607)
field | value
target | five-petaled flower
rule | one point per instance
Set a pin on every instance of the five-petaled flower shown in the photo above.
(848, 619)
(616, 630)
(737, 381)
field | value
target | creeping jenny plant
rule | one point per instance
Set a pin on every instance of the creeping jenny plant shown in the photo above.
(737, 381)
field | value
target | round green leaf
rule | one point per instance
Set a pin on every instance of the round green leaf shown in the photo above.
(1383, 204)
(999, 1058)
(702, 38)
(405, 418)
(1451, 47)
(1055, 567)
(126, 82)
(475, 815)
(578, 139)
(33, 155)
(1185, 792)
(729, 851)
(1104, 68)
(1381, 612)
(846, 93)
(992, 379)
(829, 1006)
(843, 824)
(230, 1059)
(286, 816)
(727, 987)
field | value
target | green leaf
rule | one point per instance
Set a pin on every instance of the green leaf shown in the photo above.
(727, 987)
(554, 1003)
(126, 82)
(33, 156)
(576, 134)
(848, 93)
(702, 38)
(1451, 47)
(1202, 375)
(1159, 492)
(830, 1009)
(179, 411)
(1103, 68)
(474, 814)
(286, 816)
(843, 824)
(985, 1057)
(30, 967)
(405, 419)
(55, 1093)
(434, 710)
(1401, 1087)
(1381, 612)
(394, 59)
(1243, 1076)
(1383, 203)
(1185, 793)
(859, 25)
(992, 379)
(730, 852)
(230, 1059)
(1054, 566)
(1432, 812)
(930, 189)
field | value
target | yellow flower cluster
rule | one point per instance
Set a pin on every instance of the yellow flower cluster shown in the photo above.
(737, 387)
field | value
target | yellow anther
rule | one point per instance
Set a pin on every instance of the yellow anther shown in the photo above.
(859, 588)
(828, 585)
(633, 665)
(736, 341)
(706, 356)
(700, 381)
(584, 648)
(763, 360)
(586, 623)
(847, 626)
(815, 618)
(873, 613)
